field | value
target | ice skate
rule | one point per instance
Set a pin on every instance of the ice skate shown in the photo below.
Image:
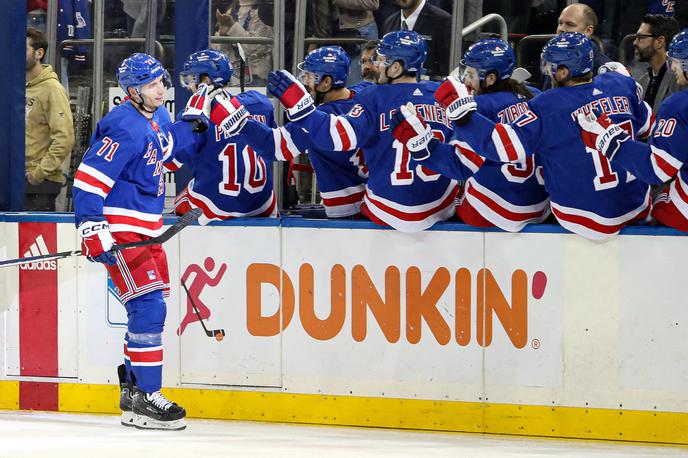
(125, 397)
(155, 411)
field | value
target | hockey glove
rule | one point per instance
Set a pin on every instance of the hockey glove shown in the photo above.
(96, 241)
(600, 133)
(291, 93)
(197, 110)
(617, 67)
(456, 98)
(228, 113)
(412, 131)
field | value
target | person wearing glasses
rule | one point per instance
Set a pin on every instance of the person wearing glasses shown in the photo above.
(654, 35)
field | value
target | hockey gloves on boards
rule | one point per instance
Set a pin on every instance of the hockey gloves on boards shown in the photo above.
(456, 98)
(600, 133)
(412, 132)
(291, 93)
(228, 113)
(96, 241)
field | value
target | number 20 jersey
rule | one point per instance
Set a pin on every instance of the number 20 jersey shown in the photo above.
(588, 195)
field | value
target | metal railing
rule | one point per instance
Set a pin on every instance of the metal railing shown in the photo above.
(458, 32)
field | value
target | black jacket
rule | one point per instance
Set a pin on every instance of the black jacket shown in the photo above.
(434, 24)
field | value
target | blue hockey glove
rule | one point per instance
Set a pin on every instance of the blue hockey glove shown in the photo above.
(291, 93)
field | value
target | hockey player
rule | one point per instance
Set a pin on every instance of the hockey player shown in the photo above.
(230, 179)
(341, 176)
(119, 194)
(588, 196)
(665, 157)
(508, 196)
(407, 199)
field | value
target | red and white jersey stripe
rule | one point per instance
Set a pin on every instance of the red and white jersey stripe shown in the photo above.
(469, 158)
(90, 180)
(343, 202)
(342, 134)
(126, 220)
(596, 227)
(678, 192)
(508, 145)
(664, 164)
(500, 212)
(413, 218)
(285, 149)
(648, 125)
(212, 213)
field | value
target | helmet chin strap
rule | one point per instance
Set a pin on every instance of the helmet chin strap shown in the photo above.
(390, 79)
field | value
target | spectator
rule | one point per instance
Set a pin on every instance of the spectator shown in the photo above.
(355, 19)
(49, 136)
(244, 20)
(369, 71)
(650, 45)
(433, 24)
(581, 18)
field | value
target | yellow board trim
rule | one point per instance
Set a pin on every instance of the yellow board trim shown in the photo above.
(471, 417)
(9, 395)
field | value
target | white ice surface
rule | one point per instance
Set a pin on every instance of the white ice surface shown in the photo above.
(47, 435)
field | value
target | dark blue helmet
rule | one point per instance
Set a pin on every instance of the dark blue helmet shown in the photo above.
(572, 50)
(491, 55)
(207, 62)
(139, 69)
(405, 46)
(678, 49)
(329, 61)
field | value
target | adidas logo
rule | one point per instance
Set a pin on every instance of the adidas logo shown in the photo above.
(39, 248)
(417, 92)
(596, 92)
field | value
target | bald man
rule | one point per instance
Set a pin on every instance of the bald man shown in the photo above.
(579, 17)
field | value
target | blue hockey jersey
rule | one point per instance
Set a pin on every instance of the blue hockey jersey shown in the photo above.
(507, 195)
(665, 7)
(589, 196)
(666, 155)
(229, 179)
(408, 199)
(121, 177)
(341, 175)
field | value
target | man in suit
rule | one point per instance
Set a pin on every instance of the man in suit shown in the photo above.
(434, 24)
(650, 45)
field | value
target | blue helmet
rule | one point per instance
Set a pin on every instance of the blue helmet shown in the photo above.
(678, 49)
(405, 46)
(329, 61)
(572, 50)
(491, 55)
(207, 62)
(139, 69)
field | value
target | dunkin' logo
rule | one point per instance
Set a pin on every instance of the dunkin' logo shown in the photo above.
(472, 319)
(38, 248)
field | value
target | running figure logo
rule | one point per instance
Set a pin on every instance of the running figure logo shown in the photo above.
(196, 310)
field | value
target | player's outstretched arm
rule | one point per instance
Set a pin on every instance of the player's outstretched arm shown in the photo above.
(451, 160)
(457, 100)
(653, 163)
(275, 144)
(291, 93)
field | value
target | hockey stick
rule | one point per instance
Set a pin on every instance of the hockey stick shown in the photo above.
(219, 334)
(242, 67)
(184, 221)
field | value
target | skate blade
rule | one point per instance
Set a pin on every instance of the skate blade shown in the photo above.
(144, 422)
(128, 418)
